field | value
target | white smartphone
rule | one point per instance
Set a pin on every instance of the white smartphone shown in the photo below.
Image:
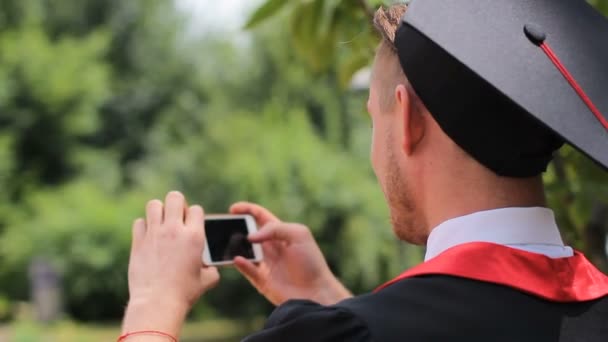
(226, 238)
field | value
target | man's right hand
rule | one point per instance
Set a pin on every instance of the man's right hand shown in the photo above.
(293, 265)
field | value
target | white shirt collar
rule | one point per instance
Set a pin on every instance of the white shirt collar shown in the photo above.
(532, 229)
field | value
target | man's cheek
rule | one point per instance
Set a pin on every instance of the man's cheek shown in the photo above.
(376, 157)
(373, 154)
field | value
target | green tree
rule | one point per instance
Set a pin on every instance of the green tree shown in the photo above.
(81, 84)
(246, 122)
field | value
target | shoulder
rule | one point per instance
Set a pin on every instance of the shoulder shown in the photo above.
(426, 308)
(437, 308)
(402, 309)
(382, 316)
(302, 320)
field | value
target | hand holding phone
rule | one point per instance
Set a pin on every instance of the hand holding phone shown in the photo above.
(293, 265)
(227, 238)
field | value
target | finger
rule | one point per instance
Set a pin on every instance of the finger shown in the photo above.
(277, 231)
(195, 217)
(272, 249)
(248, 269)
(175, 204)
(195, 221)
(154, 214)
(209, 277)
(139, 232)
(261, 214)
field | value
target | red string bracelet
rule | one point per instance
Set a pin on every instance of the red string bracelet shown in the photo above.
(146, 332)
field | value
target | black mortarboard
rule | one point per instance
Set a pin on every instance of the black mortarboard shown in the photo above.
(510, 80)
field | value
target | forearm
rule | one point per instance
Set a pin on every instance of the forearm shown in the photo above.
(167, 318)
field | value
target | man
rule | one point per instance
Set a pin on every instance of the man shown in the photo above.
(492, 90)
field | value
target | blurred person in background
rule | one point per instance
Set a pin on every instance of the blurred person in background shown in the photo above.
(458, 147)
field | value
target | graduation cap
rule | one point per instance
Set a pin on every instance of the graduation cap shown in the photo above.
(509, 81)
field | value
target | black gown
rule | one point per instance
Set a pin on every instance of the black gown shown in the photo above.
(446, 305)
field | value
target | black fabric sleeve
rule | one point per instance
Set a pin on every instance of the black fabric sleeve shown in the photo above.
(302, 320)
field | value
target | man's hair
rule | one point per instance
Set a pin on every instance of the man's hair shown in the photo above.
(386, 22)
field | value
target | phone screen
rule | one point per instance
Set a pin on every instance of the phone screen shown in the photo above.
(227, 238)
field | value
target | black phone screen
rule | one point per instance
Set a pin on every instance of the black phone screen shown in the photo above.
(227, 238)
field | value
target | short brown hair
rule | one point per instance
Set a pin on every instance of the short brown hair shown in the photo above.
(386, 22)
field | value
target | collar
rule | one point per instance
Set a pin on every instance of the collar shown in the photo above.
(520, 228)
(562, 280)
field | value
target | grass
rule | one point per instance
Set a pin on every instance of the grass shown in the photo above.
(68, 331)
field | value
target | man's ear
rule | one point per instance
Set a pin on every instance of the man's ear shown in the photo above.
(413, 122)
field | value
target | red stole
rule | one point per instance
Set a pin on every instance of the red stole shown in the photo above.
(571, 279)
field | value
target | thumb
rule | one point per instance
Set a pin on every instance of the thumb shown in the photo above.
(261, 214)
(139, 233)
(278, 231)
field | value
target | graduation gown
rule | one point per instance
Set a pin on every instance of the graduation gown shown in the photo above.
(471, 292)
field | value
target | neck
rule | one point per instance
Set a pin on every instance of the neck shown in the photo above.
(461, 193)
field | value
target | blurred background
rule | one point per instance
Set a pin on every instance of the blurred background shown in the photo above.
(105, 104)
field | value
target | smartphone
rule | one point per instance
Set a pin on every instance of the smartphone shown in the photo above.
(226, 238)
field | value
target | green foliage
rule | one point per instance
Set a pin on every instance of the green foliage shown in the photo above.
(80, 83)
(66, 76)
(128, 114)
(84, 232)
(601, 5)
(326, 34)
(5, 308)
(267, 10)
(51, 89)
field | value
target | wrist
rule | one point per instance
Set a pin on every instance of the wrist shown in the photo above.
(146, 336)
(336, 292)
(160, 315)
